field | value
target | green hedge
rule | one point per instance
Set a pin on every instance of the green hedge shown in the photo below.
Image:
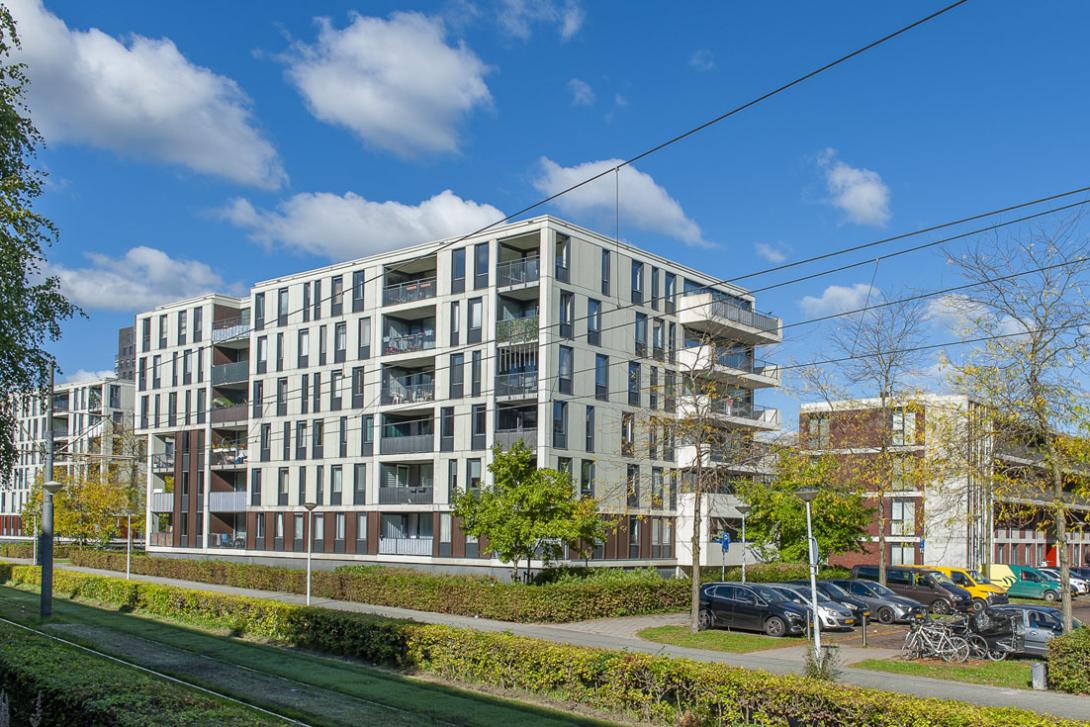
(637, 686)
(568, 600)
(78, 688)
(25, 550)
(772, 573)
(1069, 662)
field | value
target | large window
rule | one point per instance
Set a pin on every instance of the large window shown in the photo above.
(605, 272)
(565, 370)
(458, 270)
(640, 334)
(817, 431)
(904, 427)
(567, 315)
(589, 426)
(480, 266)
(594, 322)
(637, 281)
(903, 517)
(633, 383)
(560, 424)
(601, 377)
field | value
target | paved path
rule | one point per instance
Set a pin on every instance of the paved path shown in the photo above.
(612, 635)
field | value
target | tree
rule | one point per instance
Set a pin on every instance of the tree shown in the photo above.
(31, 306)
(1031, 371)
(528, 511)
(86, 510)
(776, 522)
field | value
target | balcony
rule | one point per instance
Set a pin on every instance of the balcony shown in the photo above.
(507, 437)
(406, 495)
(405, 546)
(722, 318)
(227, 501)
(517, 330)
(518, 272)
(409, 291)
(516, 384)
(231, 328)
(746, 415)
(394, 392)
(236, 413)
(408, 343)
(731, 366)
(235, 539)
(161, 540)
(161, 502)
(230, 457)
(410, 444)
(232, 373)
(162, 462)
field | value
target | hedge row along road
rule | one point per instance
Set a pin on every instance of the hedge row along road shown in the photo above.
(631, 685)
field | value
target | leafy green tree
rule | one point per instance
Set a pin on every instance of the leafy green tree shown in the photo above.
(776, 523)
(528, 511)
(87, 509)
(31, 305)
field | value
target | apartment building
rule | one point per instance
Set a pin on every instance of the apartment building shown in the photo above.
(376, 388)
(88, 419)
(125, 360)
(959, 518)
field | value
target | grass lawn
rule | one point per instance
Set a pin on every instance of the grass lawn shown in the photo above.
(734, 641)
(1013, 673)
(315, 689)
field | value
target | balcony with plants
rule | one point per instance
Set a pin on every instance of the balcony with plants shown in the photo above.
(517, 319)
(408, 332)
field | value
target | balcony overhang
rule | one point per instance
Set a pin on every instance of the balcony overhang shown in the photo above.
(704, 359)
(722, 319)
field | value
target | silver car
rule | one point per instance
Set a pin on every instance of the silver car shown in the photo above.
(1038, 624)
(831, 615)
(887, 606)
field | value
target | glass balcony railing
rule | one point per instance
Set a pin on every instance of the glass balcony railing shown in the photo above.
(230, 456)
(408, 292)
(517, 272)
(394, 392)
(232, 413)
(516, 384)
(517, 330)
(422, 495)
(230, 328)
(408, 342)
(405, 546)
(737, 314)
(232, 373)
(409, 444)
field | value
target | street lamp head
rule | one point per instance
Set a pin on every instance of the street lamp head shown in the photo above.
(52, 486)
(742, 509)
(807, 494)
(310, 505)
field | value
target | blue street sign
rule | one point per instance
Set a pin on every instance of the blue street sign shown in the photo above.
(724, 540)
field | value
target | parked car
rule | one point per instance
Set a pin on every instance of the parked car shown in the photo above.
(886, 605)
(752, 607)
(929, 587)
(831, 615)
(984, 592)
(1081, 572)
(1079, 585)
(857, 606)
(1039, 625)
(1022, 581)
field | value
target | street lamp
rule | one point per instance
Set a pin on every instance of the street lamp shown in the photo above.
(742, 509)
(128, 543)
(50, 488)
(310, 540)
(807, 495)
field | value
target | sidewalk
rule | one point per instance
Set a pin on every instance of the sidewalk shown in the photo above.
(612, 634)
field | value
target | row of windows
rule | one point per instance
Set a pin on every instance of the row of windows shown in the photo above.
(181, 329)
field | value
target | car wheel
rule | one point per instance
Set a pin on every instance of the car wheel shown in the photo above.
(979, 604)
(1052, 596)
(939, 606)
(705, 620)
(886, 615)
(775, 626)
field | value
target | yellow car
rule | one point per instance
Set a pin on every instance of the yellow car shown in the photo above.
(984, 592)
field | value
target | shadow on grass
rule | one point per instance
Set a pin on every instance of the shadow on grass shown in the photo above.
(353, 679)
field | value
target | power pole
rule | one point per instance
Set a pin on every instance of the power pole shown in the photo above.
(46, 547)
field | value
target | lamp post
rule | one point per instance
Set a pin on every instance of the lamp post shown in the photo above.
(50, 488)
(807, 495)
(309, 505)
(128, 544)
(742, 509)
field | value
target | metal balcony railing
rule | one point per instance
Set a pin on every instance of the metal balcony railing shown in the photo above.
(232, 373)
(517, 330)
(408, 342)
(235, 413)
(411, 444)
(507, 437)
(230, 328)
(230, 457)
(397, 393)
(409, 291)
(406, 495)
(737, 314)
(517, 272)
(162, 502)
(235, 539)
(517, 384)
(161, 540)
(227, 501)
(162, 462)
(405, 546)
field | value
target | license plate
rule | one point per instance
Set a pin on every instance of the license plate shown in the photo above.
(849, 621)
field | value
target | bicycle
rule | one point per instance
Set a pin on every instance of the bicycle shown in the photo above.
(934, 640)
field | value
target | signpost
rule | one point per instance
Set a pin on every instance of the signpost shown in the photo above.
(724, 540)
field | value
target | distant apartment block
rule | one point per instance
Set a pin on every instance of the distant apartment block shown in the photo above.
(377, 388)
(125, 361)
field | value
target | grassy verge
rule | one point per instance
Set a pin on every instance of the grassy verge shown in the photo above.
(1012, 673)
(735, 642)
(340, 692)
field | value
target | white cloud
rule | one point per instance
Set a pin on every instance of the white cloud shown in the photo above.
(837, 299)
(860, 193)
(644, 204)
(517, 17)
(702, 60)
(140, 98)
(581, 93)
(395, 83)
(83, 376)
(349, 226)
(963, 317)
(774, 254)
(141, 279)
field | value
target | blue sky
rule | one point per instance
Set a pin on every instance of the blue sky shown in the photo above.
(196, 146)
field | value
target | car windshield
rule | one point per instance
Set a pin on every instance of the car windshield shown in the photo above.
(878, 589)
(805, 592)
(787, 594)
(834, 591)
(768, 593)
(941, 578)
(979, 578)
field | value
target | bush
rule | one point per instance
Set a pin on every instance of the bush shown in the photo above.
(638, 686)
(568, 599)
(773, 573)
(1068, 661)
(25, 550)
(63, 685)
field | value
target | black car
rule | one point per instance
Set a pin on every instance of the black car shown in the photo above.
(834, 593)
(750, 607)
